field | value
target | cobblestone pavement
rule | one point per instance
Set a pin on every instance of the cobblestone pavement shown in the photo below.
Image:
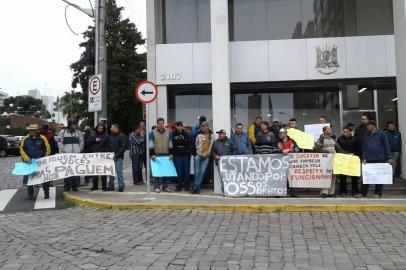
(6, 179)
(83, 238)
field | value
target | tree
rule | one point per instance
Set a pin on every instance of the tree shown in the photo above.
(25, 105)
(124, 68)
(71, 104)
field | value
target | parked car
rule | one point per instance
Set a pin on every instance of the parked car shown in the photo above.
(20, 138)
(12, 145)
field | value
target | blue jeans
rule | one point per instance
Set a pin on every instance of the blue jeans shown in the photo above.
(137, 161)
(119, 172)
(182, 165)
(200, 169)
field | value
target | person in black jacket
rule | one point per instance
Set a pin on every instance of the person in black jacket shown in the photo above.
(360, 133)
(117, 143)
(181, 149)
(97, 143)
(349, 144)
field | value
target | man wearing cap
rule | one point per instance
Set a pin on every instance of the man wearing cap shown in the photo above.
(375, 149)
(181, 146)
(242, 143)
(223, 146)
(71, 141)
(34, 146)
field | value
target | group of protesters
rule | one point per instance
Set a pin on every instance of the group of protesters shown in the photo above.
(193, 148)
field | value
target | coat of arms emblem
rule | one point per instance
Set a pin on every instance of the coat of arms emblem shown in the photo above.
(327, 62)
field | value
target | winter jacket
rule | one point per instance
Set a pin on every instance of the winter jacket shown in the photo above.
(349, 145)
(395, 141)
(253, 131)
(160, 143)
(137, 144)
(34, 147)
(288, 145)
(118, 144)
(265, 143)
(376, 147)
(326, 144)
(242, 144)
(181, 143)
(203, 144)
(97, 147)
(71, 142)
(51, 140)
(223, 147)
(359, 135)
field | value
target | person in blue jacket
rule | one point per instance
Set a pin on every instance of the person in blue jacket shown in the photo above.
(395, 144)
(241, 142)
(375, 149)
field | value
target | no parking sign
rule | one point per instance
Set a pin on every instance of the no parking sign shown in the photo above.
(95, 96)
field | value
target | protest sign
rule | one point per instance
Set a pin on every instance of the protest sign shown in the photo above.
(310, 170)
(23, 168)
(315, 129)
(302, 139)
(346, 165)
(163, 167)
(377, 173)
(256, 175)
(66, 165)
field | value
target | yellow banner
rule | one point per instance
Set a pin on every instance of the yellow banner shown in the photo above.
(346, 165)
(302, 139)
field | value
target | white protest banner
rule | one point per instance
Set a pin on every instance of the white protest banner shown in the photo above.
(310, 170)
(377, 173)
(256, 175)
(61, 166)
(315, 129)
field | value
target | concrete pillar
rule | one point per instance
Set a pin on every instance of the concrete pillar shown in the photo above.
(162, 102)
(220, 71)
(399, 18)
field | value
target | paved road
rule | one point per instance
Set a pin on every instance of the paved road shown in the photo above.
(76, 238)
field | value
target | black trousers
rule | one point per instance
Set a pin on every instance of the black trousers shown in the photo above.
(354, 184)
(378, 187)
(95, 180)
(30, 189)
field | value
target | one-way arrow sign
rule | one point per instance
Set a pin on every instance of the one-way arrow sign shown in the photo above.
(146, 92)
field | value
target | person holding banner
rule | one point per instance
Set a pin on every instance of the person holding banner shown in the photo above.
(160, 144)
(254, 129)
(349, 144)
(327, 144)
(97, 143)
(375, 149)
(34, 146)
(265, 140)
(117, 143)
(223, 146)
(242, 143)
(71, 141)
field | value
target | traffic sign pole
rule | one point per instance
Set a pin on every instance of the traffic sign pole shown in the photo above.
(148, 174)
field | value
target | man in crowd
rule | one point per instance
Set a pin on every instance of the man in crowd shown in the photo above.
(182, 143)
(97, 142)
(34, 146)
(223, 146)
(360, 133)
(375, 149)
(143, 132)
(203, 144)
(395, 143)
(160, 144)
(196, 128)
(322, 120)
(241, 141)
(117, 143)
(293, 123)
(71, 141)
(44, 131)
(254, 129)
(328, 144)
(137, 152)
(286, 146)
(265, 140)
(348, 144)
(275, 127)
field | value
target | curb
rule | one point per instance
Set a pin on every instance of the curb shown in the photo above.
(76, 200)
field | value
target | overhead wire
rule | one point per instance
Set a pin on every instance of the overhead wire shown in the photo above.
(67, 23)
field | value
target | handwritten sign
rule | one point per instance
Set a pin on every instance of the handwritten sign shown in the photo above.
(346, 165)
(377, 173)
(302, 139)
(257, 175)
(310, 170)
(66, 165)
(315, 129)
(163, 167)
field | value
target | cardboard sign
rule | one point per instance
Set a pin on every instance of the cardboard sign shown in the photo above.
(346, 165)
(61, 166)
(377, 173)
(302, 139)
(310, 170)
(255, 175)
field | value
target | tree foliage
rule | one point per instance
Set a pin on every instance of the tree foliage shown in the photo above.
(72, 105)
(25, 105)
(124, 68)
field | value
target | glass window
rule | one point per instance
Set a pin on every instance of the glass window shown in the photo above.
(358, 97)
(186, 21)
(284, 19)
(387, 105)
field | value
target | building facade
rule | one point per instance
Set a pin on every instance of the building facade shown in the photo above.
(232, 60)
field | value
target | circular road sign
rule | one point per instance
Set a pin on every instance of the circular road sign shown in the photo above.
(95, 84)
(146, 92)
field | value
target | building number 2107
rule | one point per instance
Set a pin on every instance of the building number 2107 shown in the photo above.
(170, 76)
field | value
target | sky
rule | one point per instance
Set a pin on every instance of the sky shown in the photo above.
(37, 47)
